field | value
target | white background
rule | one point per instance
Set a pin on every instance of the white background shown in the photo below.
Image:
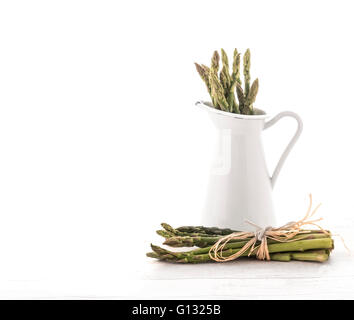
(100, 140)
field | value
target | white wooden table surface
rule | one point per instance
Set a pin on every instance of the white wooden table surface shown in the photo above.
(145, 278)
(249, 279)
(237, 280)
(253, 280)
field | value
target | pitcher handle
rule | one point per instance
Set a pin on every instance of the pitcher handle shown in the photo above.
(291, 144)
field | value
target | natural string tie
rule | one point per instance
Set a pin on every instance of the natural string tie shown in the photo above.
(285, 233)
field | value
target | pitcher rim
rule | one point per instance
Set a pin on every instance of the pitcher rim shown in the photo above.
(208, 106)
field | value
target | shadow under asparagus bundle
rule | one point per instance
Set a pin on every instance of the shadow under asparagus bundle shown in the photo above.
(308, 245)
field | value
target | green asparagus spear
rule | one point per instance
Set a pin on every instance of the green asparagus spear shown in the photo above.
(215, 62)
(205, 241)
(204, 74)
(225, 68)
(217, 92)
(214, 69)
(312, 255)
(235, 78)
(246, 70)
(169, 232)
(236, 67)
(241, 98)
(251, 97)
(199, 255)
(206, 230)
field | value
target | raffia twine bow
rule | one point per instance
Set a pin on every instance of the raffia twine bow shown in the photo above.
(285, 233)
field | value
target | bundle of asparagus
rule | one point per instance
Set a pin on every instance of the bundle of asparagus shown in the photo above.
(221, 85)
(308, 245)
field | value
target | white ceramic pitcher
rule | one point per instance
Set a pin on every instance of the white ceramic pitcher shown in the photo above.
(240, 187)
